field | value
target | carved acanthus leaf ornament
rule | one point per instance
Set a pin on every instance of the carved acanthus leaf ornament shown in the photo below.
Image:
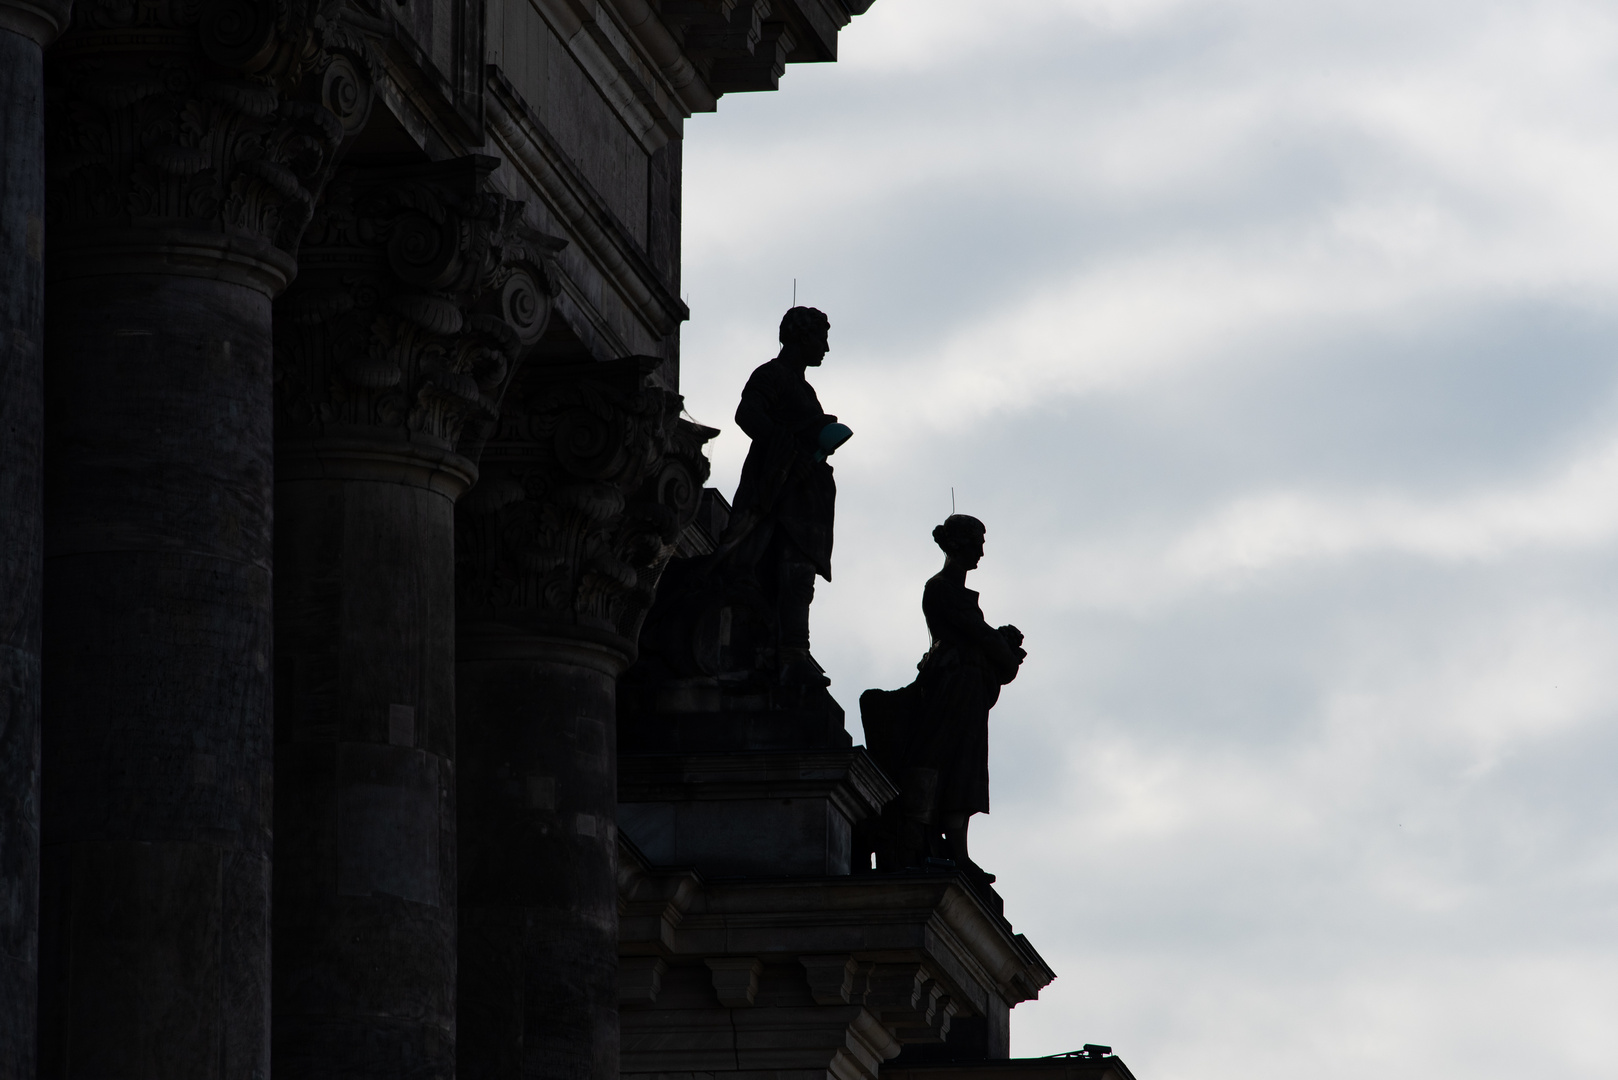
(419, 292)
(587, 482)
(220, 116)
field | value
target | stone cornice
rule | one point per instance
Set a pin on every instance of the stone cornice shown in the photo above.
(872, 916)
(431, 468)
(665, 52)
(829, 975)
(1066, 1067)
(452, 102)
(936, 919)
(633, 85)
(599, 236)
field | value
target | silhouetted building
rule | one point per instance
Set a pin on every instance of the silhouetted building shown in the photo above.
(342, 458)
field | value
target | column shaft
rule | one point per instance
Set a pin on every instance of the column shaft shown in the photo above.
(22, 406)
(588, 482)
(539, 917)
(365, 771)
(419, 293)
(156, 887)
(188, 144)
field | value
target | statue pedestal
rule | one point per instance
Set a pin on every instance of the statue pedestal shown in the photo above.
(755, 941)
(809, 976)
(763, 813)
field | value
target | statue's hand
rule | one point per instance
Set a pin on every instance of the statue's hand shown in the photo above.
(1013, 635)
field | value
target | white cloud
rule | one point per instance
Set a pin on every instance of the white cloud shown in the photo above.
(1577, 508)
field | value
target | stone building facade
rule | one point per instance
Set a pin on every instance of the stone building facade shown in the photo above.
(342, 456)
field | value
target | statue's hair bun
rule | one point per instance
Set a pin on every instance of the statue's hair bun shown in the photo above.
(956, 528)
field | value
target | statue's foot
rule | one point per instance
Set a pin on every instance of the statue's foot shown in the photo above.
(799, 669)
(973, 868)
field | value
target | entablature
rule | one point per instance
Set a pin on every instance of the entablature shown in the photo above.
(857, 966)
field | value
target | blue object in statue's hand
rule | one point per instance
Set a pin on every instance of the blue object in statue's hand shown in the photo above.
(832, 436)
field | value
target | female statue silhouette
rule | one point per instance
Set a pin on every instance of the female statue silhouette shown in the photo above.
(932, 737)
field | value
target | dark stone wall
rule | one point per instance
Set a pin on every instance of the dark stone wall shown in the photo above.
(539, 902)
(22, 236)
(365, 876)
(156, 825)
(663, 213)
(663, 233)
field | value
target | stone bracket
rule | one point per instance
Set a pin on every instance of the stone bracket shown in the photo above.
(831, 978)
(640, 979)
(735, 980)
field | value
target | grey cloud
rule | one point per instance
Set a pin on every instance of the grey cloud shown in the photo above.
(1340, 813)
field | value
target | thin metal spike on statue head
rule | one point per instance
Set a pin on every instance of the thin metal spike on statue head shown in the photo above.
(951, 502)
(794, 292)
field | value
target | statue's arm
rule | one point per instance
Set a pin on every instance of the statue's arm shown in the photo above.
(753, 414)
(955, 616)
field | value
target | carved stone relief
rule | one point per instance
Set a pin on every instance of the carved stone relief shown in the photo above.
(419, 293)
(588, 480)
(219, 117)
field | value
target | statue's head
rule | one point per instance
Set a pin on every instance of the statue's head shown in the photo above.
(961, 537)
(805, 333)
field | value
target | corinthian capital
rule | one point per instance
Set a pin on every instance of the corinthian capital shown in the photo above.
(200, 116)
(419, 292)
(589, 478)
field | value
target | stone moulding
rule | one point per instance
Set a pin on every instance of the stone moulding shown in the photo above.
(660, 47)
(840, 972)
(40, 21)
(848, 778)
(601, 239)
(455, 100)
(636, 89)
(1067, 1067)
(237, 259)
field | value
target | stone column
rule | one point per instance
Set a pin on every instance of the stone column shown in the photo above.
(188, 145)
(25, 29)
(418, 294)
(587, 482)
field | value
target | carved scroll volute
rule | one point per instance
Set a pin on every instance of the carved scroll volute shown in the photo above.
(419, 295)
(587, 481)
(225, 116)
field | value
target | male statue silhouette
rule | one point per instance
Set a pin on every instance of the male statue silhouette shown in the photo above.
(780, 528)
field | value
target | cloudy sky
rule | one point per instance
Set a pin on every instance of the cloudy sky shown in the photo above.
(1277, 344)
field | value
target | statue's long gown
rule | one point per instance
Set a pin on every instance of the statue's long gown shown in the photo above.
(960, 681)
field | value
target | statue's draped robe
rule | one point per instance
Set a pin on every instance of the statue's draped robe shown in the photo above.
(783, 485)
(941, 721)
(960, 680)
